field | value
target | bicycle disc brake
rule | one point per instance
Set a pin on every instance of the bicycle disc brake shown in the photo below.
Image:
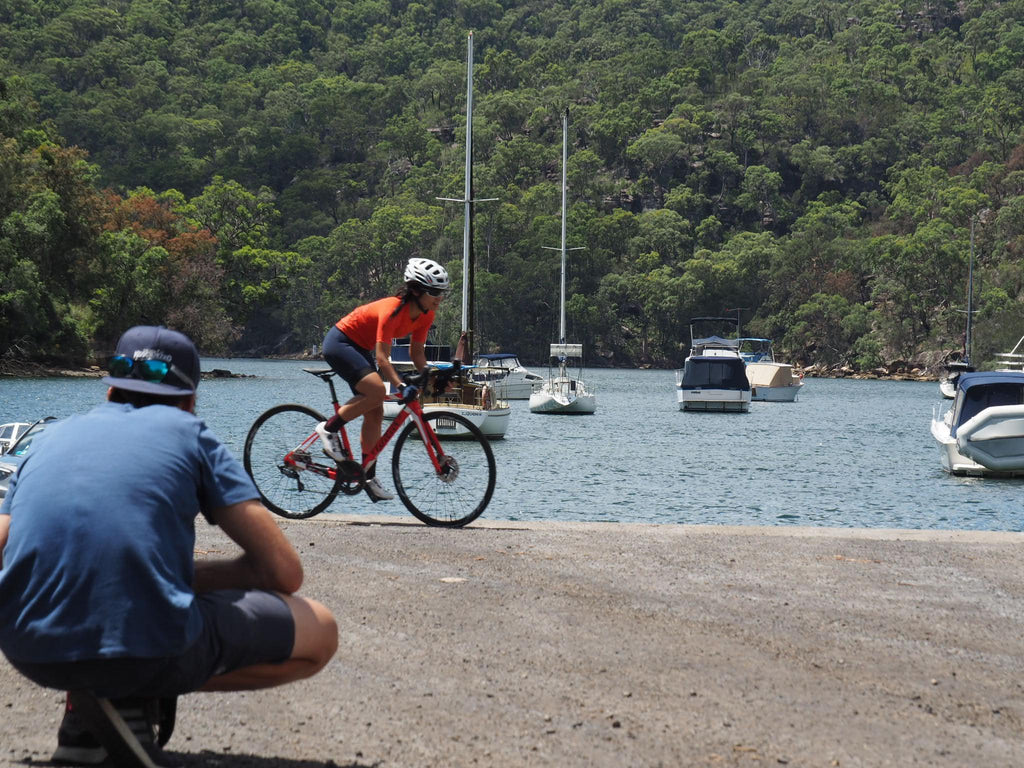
(449, 470)
(351, 477)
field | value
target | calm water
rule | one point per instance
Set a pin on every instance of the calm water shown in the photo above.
(847, 453)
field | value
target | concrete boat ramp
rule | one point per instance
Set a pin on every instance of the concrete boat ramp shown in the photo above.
(561, 644)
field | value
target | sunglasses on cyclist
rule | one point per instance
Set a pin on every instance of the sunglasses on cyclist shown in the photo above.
(434, 291)
(153, 371)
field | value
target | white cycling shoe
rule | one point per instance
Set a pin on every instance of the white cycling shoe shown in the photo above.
(376, 492)
(331, 442)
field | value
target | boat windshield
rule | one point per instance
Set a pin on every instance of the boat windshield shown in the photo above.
(724, 373)
(976, 399)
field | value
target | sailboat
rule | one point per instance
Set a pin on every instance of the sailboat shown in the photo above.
(476, 401)
(560, 392)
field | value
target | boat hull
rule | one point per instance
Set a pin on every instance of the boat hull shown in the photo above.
(775, 394)
(543, 401)
(510, 387)
(492, 422)
(721, 400)
(954, 461)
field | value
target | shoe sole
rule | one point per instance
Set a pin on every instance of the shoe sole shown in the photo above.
(106, 723)
(67, 755)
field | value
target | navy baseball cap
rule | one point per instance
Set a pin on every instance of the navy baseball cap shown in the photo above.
(154, 360)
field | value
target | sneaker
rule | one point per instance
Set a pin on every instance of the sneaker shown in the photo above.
(126, 729)
(76, 744)
(376, 492)
(331, 442)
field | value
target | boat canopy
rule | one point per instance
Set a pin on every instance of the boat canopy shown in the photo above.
(977, 391)
(499, 356)
(770, 374)
(716, 341)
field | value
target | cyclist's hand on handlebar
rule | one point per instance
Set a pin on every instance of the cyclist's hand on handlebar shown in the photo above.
(409, 393)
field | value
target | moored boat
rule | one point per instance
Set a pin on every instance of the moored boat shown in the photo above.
(770, 380)
(561, 392)
(472, 400)
(982, 433)
(714, 376)
(503, 371)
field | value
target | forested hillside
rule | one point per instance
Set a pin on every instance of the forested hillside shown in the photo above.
(249, 171)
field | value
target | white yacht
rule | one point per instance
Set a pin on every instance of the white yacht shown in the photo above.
(714, 376)
(560, 392)
(509, 378)
(982, 432)
(770, 380)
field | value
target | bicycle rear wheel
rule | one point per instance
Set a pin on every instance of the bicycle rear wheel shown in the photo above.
(463, 490)
(284, 459)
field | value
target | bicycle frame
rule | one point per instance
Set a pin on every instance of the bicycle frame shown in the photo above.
(412, 410)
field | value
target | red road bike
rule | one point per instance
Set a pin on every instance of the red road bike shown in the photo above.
(445, 484)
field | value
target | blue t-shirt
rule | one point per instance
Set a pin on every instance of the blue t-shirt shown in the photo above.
(100, 554)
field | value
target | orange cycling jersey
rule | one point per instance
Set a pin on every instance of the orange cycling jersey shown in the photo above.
(373, 322)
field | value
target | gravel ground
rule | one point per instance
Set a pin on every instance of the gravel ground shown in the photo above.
(623, 645)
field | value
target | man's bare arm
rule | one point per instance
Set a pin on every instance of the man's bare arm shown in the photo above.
(268, 560)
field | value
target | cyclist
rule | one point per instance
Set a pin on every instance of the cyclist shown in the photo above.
(358, 348)
(99, 587)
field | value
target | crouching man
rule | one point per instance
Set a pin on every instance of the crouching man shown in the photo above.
(100, 594)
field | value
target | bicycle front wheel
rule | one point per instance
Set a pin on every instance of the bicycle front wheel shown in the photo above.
(284, 459)
(462, 490)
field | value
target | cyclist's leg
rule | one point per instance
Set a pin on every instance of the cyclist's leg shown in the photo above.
(369, 396)
(353, 364)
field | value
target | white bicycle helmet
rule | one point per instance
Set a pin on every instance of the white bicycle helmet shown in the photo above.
(427, 273)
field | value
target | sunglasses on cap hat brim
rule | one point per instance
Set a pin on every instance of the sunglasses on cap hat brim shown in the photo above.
(152, 370)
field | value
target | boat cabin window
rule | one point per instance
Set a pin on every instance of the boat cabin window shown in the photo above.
(715, 372)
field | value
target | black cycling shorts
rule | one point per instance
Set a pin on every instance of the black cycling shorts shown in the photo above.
(348, 359)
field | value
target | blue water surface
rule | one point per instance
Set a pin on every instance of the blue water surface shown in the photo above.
(848, 453)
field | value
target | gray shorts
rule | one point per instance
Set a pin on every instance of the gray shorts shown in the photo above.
(240, 628)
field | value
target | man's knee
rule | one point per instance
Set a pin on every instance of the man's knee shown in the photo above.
(316, 632)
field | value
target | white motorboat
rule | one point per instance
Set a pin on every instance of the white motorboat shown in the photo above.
(982, 433)
(472, 400)
(560, 392)
(509, 378)
(714, 376)
(770, 380)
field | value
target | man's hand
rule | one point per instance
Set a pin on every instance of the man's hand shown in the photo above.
(268, 560)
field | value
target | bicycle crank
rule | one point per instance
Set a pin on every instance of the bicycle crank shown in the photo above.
(351, 477)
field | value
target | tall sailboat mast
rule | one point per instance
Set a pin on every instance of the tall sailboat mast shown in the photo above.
(565, 156)
(562, 248)
(468, 273)
(464, 350)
